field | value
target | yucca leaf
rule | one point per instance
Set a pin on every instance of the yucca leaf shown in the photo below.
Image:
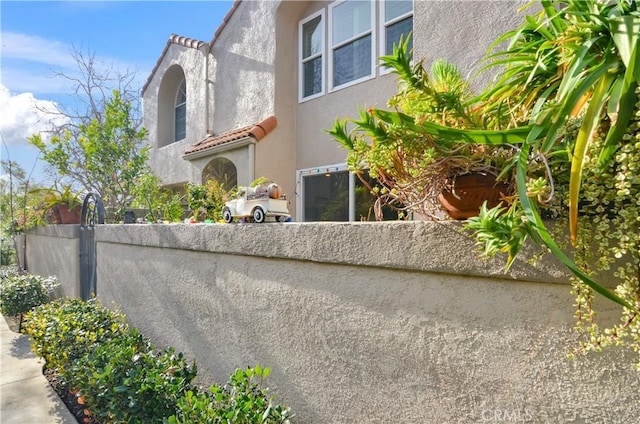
(585, 134)
(579, 63)
(625, 107)
(538, 227)
(624, 31)
(498, 137)
(339, 134)
(574, 96)
(553, 14)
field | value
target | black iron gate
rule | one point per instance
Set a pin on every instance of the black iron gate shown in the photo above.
(92, 214)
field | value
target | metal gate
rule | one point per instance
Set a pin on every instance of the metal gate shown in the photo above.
(92, 214)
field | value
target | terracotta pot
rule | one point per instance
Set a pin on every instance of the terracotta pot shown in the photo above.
(463, 198)
(69, 216)
(54, 216)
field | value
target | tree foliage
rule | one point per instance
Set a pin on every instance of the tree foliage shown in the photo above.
(104, 155)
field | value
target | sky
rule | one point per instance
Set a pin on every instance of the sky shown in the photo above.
(38, 37)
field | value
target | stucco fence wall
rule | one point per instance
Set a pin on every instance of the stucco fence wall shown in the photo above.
(395, 322)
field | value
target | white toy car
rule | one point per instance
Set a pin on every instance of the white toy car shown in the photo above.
(256, 204)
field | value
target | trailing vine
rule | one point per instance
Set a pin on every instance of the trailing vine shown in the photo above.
(609, 241)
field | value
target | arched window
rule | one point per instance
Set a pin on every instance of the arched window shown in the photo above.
(181, 112)
(222, 170)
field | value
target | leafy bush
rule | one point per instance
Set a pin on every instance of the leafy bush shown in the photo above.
(162, 204)
(122, 377)
(22, 292)
(65, 330)
(127, 380)
(206, 200)
(8, 271)
(7, 250)
(242, 400)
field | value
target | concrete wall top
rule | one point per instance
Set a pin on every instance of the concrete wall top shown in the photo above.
(68, 231)
(441, 247)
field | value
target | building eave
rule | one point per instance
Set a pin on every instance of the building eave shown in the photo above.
(236, 144)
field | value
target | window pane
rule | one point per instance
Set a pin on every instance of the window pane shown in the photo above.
(181, 122)
(403, 27)
(395, 8)
(365, 203)
(182, 94)
(350, 19)
(352, 61)
(326, 197)
(312, 77)
(311, 38)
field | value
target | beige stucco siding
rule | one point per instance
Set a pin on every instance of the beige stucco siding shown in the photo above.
(243, 67)
(167, 160)
(460, 32)
(252, 72)
(353, 330)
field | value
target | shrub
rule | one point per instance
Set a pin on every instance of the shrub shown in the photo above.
(206, 200)
(8, 271)
(21, 292)
(122, 377)
(242, 400)
(65, 330)
(7, 251)
(127, 380)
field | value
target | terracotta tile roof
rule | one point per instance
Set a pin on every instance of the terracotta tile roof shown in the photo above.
(258, 131)
(173, 39)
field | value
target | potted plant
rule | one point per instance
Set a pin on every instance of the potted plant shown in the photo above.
(62, 204)
(575, 69)
(427, 172)
(567, 96)
(569, 78)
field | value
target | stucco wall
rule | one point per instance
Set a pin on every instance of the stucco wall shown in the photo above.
(459, 31)
(55, 250)
(252, 73)
(167, 160)
(243, 67)
(367, 322)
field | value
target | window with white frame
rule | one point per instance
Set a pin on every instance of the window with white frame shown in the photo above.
(351, 40)
(181, 112)
(351, 32)
(396, 20)
(332, 193)
(311, 44)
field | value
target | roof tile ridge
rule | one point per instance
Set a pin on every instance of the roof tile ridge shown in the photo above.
(264, 127)
(186, 41)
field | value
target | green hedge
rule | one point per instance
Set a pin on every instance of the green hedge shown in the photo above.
(122, 377)
(20, 292)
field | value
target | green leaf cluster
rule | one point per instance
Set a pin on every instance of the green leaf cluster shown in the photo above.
(123, 377)
(105, 154)
(571, 73)
(126, 379)
(21, 292)
(434, 132)
(207, 200)
(162, 204)
(67, 329)
(243, 400)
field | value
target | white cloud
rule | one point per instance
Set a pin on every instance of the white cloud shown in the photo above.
(22, 115)
(35, 64)
(36, 49)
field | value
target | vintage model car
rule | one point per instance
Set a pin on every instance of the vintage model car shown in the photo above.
(255, 204)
